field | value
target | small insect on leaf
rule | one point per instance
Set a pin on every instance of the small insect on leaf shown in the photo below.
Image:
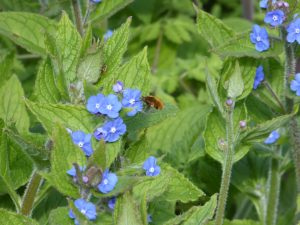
(153, 101)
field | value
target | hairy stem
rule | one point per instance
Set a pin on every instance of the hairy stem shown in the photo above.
(30, 193)
(295, 134)
(77, 14)
(290, 70)
(248, 9)
(227, 168)
(273, 192)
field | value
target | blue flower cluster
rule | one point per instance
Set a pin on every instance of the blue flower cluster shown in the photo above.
(259, 35)
(112, 129)
(111, 106)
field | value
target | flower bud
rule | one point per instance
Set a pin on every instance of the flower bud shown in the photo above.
(243, 124)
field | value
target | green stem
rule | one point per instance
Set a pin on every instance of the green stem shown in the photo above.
(77, 13)
(273, 192)
(227, 167)
(30, 193)
(295, 134)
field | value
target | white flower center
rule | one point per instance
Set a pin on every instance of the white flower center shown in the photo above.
(113, 130)
(132, 101)
(151, 169)
(275, 18)
(97, 106)
(109, 107)
(105, 181)
(258, 38)
(83, 211)
(80, 144)
(297, 30)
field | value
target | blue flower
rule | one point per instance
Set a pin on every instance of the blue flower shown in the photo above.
(111, 130)
(263, 4)
(118, 87)
(293, 30)
(108, 34)
(295, 84)
(149, 218)
(83, 141)
(274, 18)
(150, 166)
(260, 38)
(96, 1)
(110, 106)
(112, 202)
(273, 137)
(94, 103)
(72, 171)
(108, 182)
(88, 209)
(259, 77)
(132, 99)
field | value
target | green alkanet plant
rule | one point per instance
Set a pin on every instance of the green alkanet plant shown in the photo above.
(136, 124)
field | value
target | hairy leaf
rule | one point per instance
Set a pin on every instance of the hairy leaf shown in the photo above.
(45, 84)
(126, 211)
(71, 116)
(213, 30)
(113, 51)
(7, 217)
(26, 29)
(196, 214)
(63, 155)
(108, 8)
(12, 107)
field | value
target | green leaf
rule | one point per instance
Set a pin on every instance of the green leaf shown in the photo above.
(240, 46)
(112, 151)
(60, 216)
(179, 187)
(126, 211)
(26, 29)
(98, 158)
(46, 90)
(170, 185)
(33, 145)
(63, 155)
(138, 151)
(261, 131)
(108, 8)
(89, 68)
(239, 79)
(6, 184)
(7, 217)
(215, 135)
(212, 88)
(176, 136)
(71, 116)
(64, 47)
(179, 29)
(196, 214)
(12, 107)
(236, 84)
(113, 51)
(213, 30)
(6, 66)
(150, 118)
